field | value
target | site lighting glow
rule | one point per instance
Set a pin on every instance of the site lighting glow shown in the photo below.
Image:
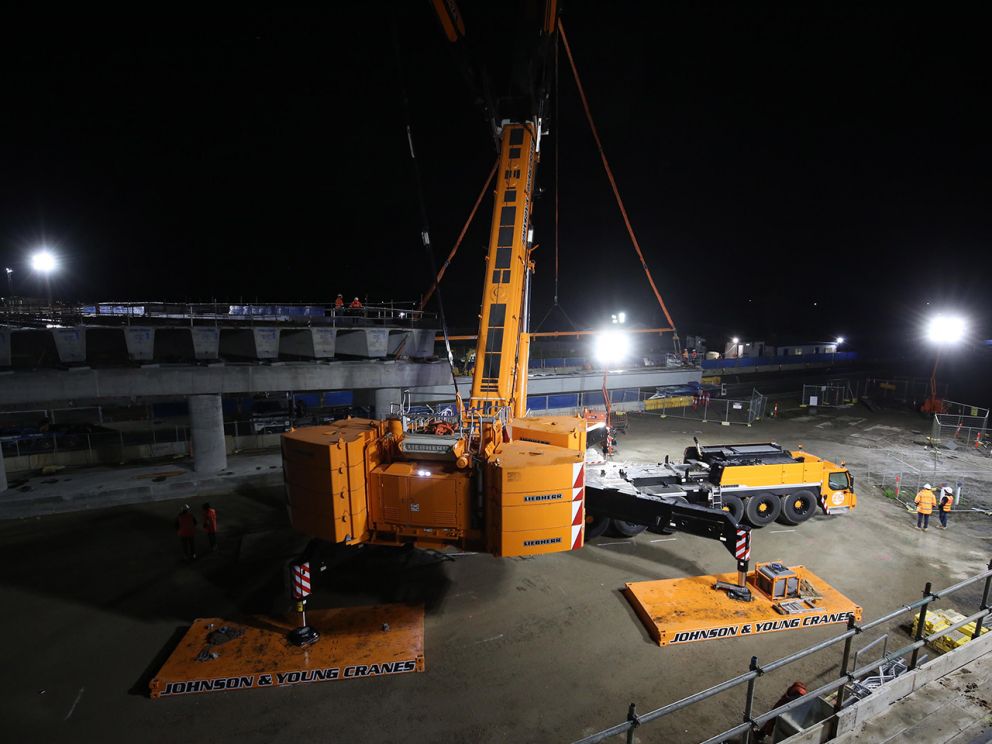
(43, 261)
(735, 340)
(611, 347)
(619, 318)
(840, 340)
(945, 329)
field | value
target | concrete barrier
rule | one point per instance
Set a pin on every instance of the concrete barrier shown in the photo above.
(852, 720)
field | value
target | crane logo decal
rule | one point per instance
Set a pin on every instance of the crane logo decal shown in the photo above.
(769, 626)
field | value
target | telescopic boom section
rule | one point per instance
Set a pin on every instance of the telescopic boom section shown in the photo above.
(501, 358)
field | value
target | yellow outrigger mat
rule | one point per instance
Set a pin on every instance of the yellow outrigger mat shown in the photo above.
(354, 642)
(690, 609)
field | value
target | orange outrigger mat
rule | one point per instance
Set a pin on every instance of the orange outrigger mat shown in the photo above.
(690, 609)
(354, 642)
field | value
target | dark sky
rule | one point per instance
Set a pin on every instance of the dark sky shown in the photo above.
(794, 169)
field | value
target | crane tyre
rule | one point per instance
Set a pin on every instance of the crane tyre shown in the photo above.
(762, 508)
(626, 529)
(595, 526)
(664, 530)
(797, 508)
(734, 506)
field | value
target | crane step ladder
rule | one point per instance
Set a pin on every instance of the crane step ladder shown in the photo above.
(771, 598)
(336, 644)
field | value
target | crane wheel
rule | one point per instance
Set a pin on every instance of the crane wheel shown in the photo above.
(734, 506)
(626, 529)
(762, 509)
(797, 508)
(595, 526)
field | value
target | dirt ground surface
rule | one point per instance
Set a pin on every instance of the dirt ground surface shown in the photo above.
(521, 650)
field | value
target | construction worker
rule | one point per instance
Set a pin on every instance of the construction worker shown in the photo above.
(210, 524)
(925, 502)
(693, 356)
(796, 690)
(356, 304)
(685, 356)
(946, 502)
(339, 302)
(186, 529)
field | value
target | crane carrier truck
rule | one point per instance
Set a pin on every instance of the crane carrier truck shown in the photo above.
(756, 483)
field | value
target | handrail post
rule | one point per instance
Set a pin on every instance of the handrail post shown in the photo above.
(844, 667)
(921, 621)
(749, 700)
(632, 717)
(984, 605)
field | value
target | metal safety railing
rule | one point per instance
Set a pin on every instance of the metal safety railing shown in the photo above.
(193, 313)
(704, 408)
(753, 723)
(827, 396)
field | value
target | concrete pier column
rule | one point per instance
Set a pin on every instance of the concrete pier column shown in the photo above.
(383, 398)
(206, 424)
(3, 473)
(5, 355)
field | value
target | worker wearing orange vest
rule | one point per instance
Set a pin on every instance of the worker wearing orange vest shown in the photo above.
(210, 524)
(946, 502)
(339, 302)
(186, 529)
(925, 502)
(796, 690)
(356, 304)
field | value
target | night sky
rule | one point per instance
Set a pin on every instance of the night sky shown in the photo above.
(792, 170)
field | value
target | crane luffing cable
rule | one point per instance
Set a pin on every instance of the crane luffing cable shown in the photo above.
(461, 235)
(425, 235)
(609, 175)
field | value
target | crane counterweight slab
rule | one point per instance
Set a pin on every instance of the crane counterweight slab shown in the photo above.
(676, 611)
(355, 642)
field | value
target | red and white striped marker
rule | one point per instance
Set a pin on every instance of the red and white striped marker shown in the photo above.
(743, 550)
(578, 504)
(301, 580)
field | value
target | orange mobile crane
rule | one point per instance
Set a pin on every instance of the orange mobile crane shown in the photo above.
(491, 478)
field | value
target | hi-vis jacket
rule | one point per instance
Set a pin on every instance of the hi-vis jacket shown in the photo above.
(925, 501)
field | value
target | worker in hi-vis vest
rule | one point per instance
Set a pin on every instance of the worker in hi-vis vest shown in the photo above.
(925, 502)
(946, 502)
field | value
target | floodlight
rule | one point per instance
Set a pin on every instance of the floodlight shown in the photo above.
(611, 347)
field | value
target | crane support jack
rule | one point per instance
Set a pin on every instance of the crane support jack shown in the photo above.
(355, 642)
(771, 598)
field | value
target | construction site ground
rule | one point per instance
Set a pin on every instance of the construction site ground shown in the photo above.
(538, 649)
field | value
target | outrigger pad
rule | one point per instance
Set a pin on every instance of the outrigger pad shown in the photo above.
(354, 642)
(686, 610)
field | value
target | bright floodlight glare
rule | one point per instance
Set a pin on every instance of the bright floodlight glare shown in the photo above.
(840, 340)
(945, 329)
(8, 270)
(611, 347)
(43, 261)
(735, 340)
(622, 317)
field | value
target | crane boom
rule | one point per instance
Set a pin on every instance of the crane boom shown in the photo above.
(501, 358)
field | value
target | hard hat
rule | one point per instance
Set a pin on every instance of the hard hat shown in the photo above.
(947, 489)
(927, 486)
(356, 298)
(340, 295)
(185, 507)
